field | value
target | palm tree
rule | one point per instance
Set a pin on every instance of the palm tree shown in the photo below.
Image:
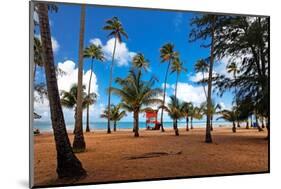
(79, 144)
(140, 62)
(177, 66)
(174, 110)
(186, 109)
(69, 99)
(92, 52)
(195, 113)
(232, 68)
(68, 166)
(229, 115)
(115, 114)
(38, 55)
(136, 94)
(202, 66)
(167, 53)
(117, 31)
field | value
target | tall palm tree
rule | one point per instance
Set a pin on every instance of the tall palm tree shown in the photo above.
(136, 94)
(174, 110)
(229, 115)
(69, 99)
(79, 144)
(186, 109)
(167, 54)
(68, 166)
(202, 66)
(140, 62)
(94, 52)
(116, 114)
(177, 67)
(232, 68)
(117, 31)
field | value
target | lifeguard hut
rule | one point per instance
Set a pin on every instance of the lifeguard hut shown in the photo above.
(151, 120)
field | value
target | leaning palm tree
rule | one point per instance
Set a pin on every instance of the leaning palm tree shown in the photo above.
(117, 31)
(136, 94)
(177, 67)
(116, 114)
(174, 110)
(229, 115)
(69, 99)
(94, 52)
(140, 62)
(79, 144)
(68, 166)
(202, 66)
(167, 53)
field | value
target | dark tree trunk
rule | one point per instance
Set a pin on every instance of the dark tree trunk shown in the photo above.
(187, 120)
(68, 166)
(251, 120)
(88, 106)
(79, 144)
(233, 127)
(238, 124)
(191, 122)
(110, 82)
(208, 138)
(211, 123)
(247, 124)
(258, 125)
(262, 122)
(75, 116)
(164, 96)
(268, 128)
(114, 126)
(176, 127)
(136, 123)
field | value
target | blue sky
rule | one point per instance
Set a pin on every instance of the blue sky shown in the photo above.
(148, 30)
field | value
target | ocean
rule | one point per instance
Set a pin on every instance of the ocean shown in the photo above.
(45, 126)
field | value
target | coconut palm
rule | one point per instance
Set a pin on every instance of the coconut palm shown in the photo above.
(136, 94)
(68, 166)
(174, 110)
(117, 31)
(94, 52)
(186, 109)
(177, 67)
(116, 114)
(195, 113)
(69, 99)
(167, 54)
(140, 62)
(202, 66)
(229, 115)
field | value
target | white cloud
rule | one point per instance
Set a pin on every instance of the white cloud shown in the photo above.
(198, 77)
(190, 93)
(65, 81)
(122, 54)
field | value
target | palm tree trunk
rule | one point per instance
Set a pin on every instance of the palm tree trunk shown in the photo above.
(164, 97)
(89, 91)
(208, 138)
(204, 85)
(251, 120)
(68, 166)
(191, 122)
(75, 116)
(262, 122)
(233, 127)
(136, 123)
(79, 144)
(176, 127)
(211, 123)
(187, 128)
(247, 124)
(258, 125)
(109, 90)
(114, 126)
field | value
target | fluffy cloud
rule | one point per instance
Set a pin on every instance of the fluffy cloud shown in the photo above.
(122, 54)
(65, 81)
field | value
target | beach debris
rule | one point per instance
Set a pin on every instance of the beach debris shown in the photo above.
(153, 155)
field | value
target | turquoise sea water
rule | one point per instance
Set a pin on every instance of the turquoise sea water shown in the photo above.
(44, 126)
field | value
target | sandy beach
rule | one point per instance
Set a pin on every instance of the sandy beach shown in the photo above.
(120, 156)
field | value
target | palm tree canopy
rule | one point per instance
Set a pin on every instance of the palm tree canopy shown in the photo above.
(94, 52)
(177, 66)
(135, 92)
(115, 113)
(228, 115)
(69, 98)
(174, 108)
(140, 62)
(167, 52)
(116, 29)
(201, 66)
